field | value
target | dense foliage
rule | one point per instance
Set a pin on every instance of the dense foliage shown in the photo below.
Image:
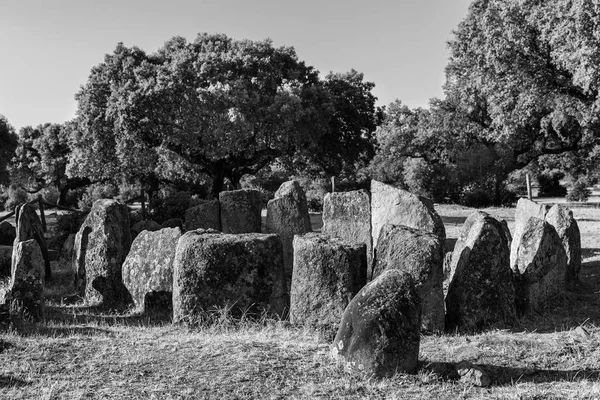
(8, 143)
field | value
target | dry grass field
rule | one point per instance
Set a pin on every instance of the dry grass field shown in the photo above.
(85, 353)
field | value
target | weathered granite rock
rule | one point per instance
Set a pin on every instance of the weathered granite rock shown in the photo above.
(566, 226)
(480, 289)
(240, 211)
(5, 260)
(420, 254)
(328, 273)
(213, 270)
(26, 292)
(525, 210)
(347, 215)
(101, 245)
(287, 215)
(380, 330)
(205, 215)
(29, 226)
(148, 267)
(472, 374)
(390, 205)
(540, 266)
(144, 225)
(8, 233)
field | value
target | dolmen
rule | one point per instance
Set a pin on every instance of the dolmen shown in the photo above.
(101, 246)
(213, 271)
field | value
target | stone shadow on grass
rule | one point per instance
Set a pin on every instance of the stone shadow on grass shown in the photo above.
(7, 381)
(81, 315)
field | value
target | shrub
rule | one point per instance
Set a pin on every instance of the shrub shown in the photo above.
(50, 194)
(95, 192)
(550, 185)
(579, 192)
(477, 198)
(169, 204)
(16, 196)
(418, 176)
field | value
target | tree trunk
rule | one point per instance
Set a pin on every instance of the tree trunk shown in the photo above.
(62, 197)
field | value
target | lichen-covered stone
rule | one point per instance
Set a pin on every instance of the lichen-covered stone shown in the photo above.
(144, 225)
(390, 205)
(240, 211)
(287, 215)
(328, 273)
(525, 210)
(421, 255)
(480, 290)
(8, 233)
(380, 330)
(5, 260)
(540, 266)
(29, 226)
(101, 245)
(205, 215)
(213, 271)
(148, 267)
(561, 218)
(26, 291)
(347, 215)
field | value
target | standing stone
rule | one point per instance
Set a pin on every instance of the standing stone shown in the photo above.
(29, 226)
(525, 210)
(421, 255)
(380, 330)
(5, 261)
(144, 225)
(26, 292)
(287, 215)
(205, 215)
(214, 271)
(541, 265)
(328, 273)
(566, 226)
(101, 246)
(347, 215)
(148, 267)
(8, 233)
(480, 290)
(390, 205)
(240, 211)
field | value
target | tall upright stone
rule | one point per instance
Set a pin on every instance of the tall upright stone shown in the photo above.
(540, 266)
(347, 215)
(29, 226)
(287, 215)
(525, 210)
(148, 268)
(26, 291)
(101, 246)
(480, 289)
(205, 215)
(328, 273)
(240, 211)
(561, 218)
(390, 205)
(421, 255)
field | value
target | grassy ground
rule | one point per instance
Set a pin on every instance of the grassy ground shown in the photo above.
(86, 353)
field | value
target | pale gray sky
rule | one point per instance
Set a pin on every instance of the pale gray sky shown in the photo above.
(48, 47)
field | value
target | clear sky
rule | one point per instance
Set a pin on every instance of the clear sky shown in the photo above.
(48, 47)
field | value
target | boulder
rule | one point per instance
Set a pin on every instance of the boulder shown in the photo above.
(421, 255)
(525, 210)
(144, 225)
(540, 266)
(390, 205)
(8, 233)
(380, 330)
(205, 215)
(240, 211)
(561, 218)
(347, 215)
(148, 267)
(5, 261)
(101, 245)
(29, 226)
(212, 271)
(480, 286)
(328, 273)
(287, 215)
(26, 291)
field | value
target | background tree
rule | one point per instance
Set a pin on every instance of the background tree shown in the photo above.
(8, 144)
